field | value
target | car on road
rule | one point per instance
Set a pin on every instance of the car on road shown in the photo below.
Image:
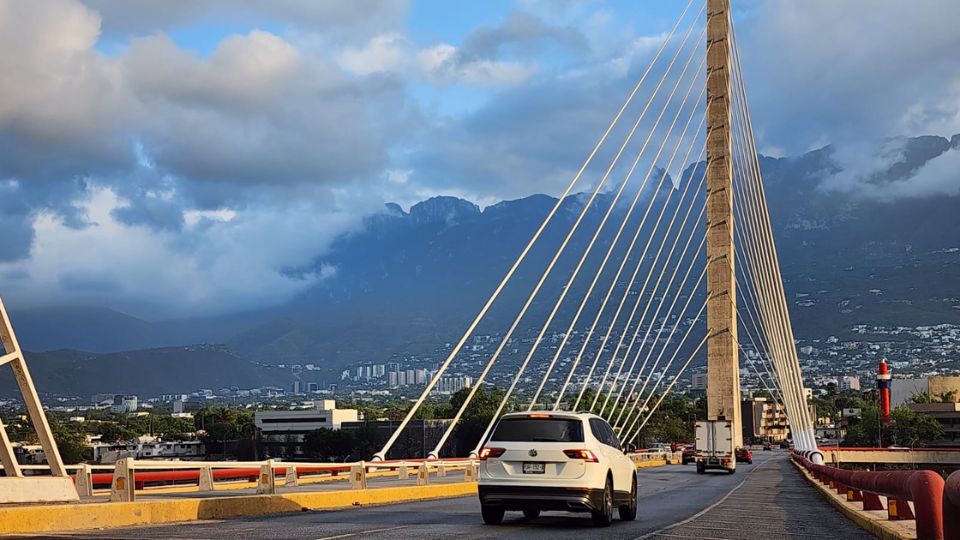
(744, 455)
(784, 445)
(565, 461)
(689, 454)
(767, 446)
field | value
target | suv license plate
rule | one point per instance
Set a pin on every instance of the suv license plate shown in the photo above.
(534, 468)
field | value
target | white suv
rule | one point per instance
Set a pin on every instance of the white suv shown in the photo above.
(556, 461)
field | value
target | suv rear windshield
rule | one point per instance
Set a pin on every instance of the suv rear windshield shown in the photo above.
(539, 430)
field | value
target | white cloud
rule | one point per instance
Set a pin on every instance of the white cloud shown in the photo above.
(840, 72)
(383, 53)
(225, 260)
(443, 63)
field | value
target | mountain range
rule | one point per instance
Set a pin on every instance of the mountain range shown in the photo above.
(410, 281)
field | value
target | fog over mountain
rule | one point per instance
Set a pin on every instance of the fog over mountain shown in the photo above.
(410, 281)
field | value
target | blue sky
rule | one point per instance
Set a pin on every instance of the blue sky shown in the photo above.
(145, 147)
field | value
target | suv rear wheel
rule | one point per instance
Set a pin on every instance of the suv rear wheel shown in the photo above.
(604, 515)
(628, 512)
(492, 515)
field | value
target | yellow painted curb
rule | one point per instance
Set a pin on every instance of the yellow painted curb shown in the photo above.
(875, 525)
(72, 517)
(648, 464)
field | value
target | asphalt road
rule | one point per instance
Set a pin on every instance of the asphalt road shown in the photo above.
(673, 502)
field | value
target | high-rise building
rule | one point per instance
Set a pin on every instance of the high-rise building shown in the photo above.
(296, 387)
(698, 381)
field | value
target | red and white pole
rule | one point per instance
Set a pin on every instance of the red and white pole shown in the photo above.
(883, 386)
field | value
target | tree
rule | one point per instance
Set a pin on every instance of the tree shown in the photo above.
(669, 423)
(907, 428)
(948, 397)
(329, 445)
(111, 432)
(476, 417)
(221, 425)
(912, 429)
(71, 444)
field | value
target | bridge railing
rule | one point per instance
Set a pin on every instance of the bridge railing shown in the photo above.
(656, 456)
(123, 480)
(925, 489)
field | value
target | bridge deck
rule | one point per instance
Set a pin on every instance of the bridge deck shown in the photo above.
(773, 502)
(768, 499)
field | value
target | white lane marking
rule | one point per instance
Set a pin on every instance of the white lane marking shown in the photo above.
(707, 509)
(369, 531)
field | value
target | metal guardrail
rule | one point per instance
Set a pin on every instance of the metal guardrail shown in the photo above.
(924, 488)
(128, 476)
(951, 507)
(123, 480)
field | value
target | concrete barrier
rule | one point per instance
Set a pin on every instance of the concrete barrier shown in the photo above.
(423, 475)
(39, 519)
(122, 487)
(267, 479)
(290, 476)
(358, 476)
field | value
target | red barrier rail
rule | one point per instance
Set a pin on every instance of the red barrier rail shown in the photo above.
(924, 488)
(951, 507)
(143, 477)
(879, 449)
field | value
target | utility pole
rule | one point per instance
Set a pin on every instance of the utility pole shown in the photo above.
(723, 369)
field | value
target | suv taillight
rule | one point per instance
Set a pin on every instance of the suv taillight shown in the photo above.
(582, 453)
(487, 452)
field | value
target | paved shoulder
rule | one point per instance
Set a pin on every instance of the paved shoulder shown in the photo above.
(773, 502)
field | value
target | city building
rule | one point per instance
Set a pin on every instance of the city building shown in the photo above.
(698, 381)
(902, 391)
(147, 447)
(124, 404)
(763, 420)
(948, 414)
(451, 385)
(282, 432)
(850, 382)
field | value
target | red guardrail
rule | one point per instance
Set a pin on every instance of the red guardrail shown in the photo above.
(924, 488)
(879, 449)
(250, 473)
(951, 507)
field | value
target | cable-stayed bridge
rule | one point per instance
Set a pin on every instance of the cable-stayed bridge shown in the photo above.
(664, 259)
(677, 265)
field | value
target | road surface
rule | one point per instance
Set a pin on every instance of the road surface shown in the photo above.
(766, 500)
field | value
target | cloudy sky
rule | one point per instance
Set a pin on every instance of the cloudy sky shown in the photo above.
(173, 158)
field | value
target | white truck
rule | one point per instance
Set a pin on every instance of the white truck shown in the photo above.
(715, 446)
